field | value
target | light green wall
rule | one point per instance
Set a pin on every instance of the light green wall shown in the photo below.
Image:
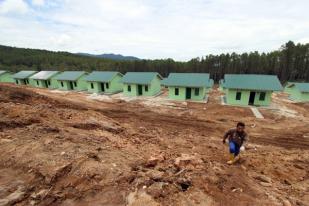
(296, 95)
(6, 77)
(153, 89)
(22, 82)
(245, 94)
(96, 87)
(63, 85)
(53, 84)
(305, 96)
(114, 86)
(44, 83)
(40, 83)
(131, 93)
(182, 93)
(81, 84)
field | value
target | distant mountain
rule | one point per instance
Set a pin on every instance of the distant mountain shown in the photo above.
(111, 56)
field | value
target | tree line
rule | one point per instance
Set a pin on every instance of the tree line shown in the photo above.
(289, 62)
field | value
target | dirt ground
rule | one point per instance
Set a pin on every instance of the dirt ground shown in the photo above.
(69, 148)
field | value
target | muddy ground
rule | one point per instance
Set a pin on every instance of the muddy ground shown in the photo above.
(63, 148)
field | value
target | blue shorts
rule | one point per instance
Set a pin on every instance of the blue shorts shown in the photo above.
(234, 148)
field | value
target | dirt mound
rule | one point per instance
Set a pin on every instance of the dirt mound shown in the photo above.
(67, 149)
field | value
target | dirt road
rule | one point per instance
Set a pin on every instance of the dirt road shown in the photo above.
(63, 148)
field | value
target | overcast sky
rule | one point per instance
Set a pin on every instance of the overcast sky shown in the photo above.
(179, 29)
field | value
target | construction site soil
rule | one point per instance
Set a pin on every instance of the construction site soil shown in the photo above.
(64, 148)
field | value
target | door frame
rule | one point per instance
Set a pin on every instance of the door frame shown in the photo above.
(102, 86)
(71, 86)
(252, 98)
(139, 89)
(188, 93)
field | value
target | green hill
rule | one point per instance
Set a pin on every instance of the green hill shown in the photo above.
(290, 62)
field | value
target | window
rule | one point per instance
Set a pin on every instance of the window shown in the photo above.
(197, 91)
(16, 81)
(91, 85)
(27, 81)
(146, 88)
(61, 84)
(129, 88)
(262, 96)
(176, 91)
(37, 82)
(238, 95)
(107, 85)
(75, 84)
(48, 82)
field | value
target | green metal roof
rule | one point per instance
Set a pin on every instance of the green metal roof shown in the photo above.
(44, 75)
(23, 74)
(70, 75)
(140, 77)
(252, 82)
(188, 80)
(302, 87)
(101, 76)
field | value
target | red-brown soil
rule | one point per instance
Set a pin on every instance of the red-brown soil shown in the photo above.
(66, 149)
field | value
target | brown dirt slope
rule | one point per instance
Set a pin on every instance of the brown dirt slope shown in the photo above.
(64, 149)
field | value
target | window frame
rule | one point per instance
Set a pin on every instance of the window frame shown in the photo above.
(238, 96)
(196, 91)
(262, 96)
(176, 91)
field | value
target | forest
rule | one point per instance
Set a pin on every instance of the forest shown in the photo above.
(290, 62)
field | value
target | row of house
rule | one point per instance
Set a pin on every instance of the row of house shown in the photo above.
(239, 89)
(181, 86)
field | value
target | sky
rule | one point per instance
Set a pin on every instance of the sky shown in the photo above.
(154, 29)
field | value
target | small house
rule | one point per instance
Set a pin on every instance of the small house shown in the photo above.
(298, 91)
(44, 79)
(188, 86)
(72, 80)
(6, 76)
(250, 89)
(104, 82)
(22, 77)
(141, 83)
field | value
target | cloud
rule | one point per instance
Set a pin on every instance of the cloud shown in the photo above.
(38, 2)
(13, 6)
(157, 29)
(60, 40)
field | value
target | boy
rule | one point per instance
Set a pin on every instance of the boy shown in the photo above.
(236, 138)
